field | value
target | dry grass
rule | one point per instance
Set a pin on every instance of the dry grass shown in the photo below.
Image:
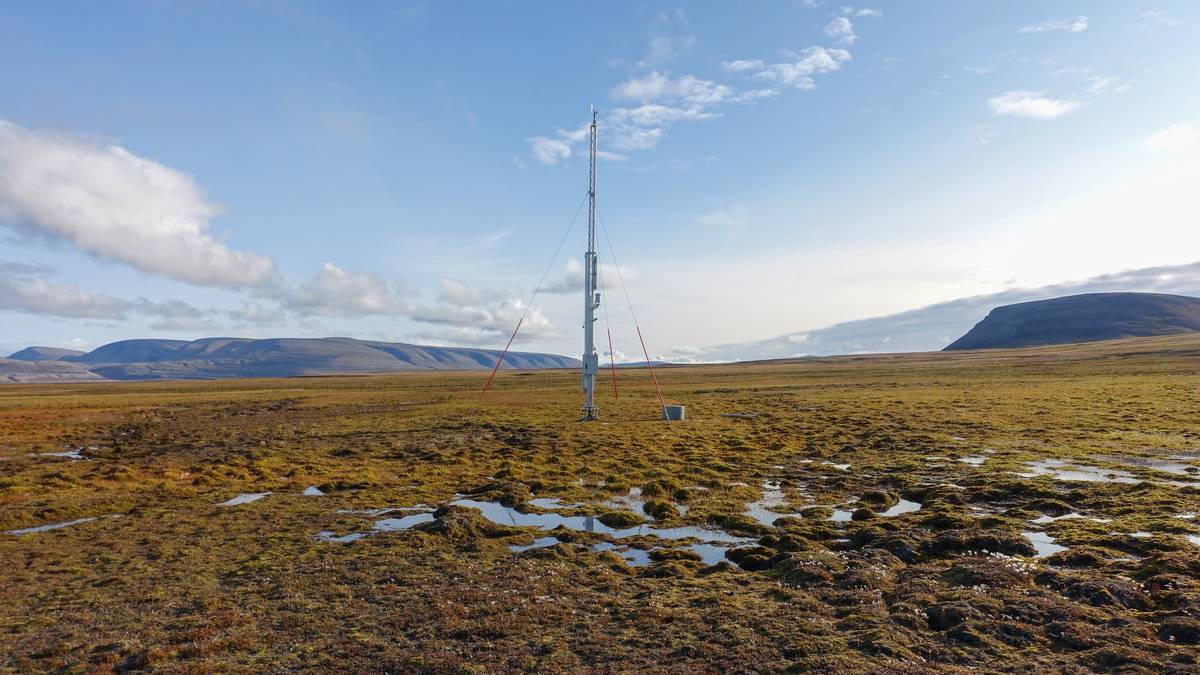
(180, 584)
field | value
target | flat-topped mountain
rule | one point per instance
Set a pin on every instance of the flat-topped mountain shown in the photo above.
(1083, 318)
(212, 358)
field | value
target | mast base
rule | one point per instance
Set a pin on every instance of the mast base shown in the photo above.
(590, 413)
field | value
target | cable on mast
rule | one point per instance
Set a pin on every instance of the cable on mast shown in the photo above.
(633, 315)
(532, 297)
(612, 357)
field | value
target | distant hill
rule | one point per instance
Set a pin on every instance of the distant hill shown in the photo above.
(16, 371)
(1083, 318)
(212, 358)
(43, 354)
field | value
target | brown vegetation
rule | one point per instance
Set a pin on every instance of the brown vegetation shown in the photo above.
(179, 583)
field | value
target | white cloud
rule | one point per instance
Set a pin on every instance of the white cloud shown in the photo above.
(1076, 25)
(256, 314)
(493, 239)
(611, 156)
(550, 151)
(842, 30)
(459, 294)
(798, 72)
(1154, 19)
(663, 100)
(657, 86)
(487, 324)
(1098, 85)
(1031, 104)
(118, 206)
(672, 37)
(753, 95)
(571, 281)
(637, 139)
(336, 292)
(655, 115)
(868, 13)
(742, 65)
(1174, 137)
(25, 288)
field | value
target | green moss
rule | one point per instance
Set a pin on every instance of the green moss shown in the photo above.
(621, 519)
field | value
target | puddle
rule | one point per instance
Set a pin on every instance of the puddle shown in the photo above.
(74, 455)
(551, 503)
(841, 516)
(902, 506)
(839, 467)
(503, 515)
(633, 556)
(382, 511)
(1066, 471)
(58, 526)
(1170, 465)
(1194, 538)
(1042, 520)
(403, 522)
(537, 543)
(326, 535)
(385, 525)
(899, 508)
(1043, 543)
(973, 461)
(629, 502)
(244, 499)
(761, 510)
(312, 491)
(366, 512)
(709, 554)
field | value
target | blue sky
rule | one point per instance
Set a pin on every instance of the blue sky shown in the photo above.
(403, 171)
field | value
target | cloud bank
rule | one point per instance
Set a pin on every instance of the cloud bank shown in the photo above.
(933, 327)
(118, 206)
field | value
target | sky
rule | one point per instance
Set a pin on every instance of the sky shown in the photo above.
(770, 178)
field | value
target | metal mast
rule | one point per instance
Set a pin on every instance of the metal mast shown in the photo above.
(591, 295)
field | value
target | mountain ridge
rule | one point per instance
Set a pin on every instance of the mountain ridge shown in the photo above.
(1086, 317)
(43, 354)
(226, 357)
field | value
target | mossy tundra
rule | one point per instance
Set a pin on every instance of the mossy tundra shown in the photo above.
(1092, 448)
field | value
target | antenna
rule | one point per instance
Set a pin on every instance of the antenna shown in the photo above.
(591, 295)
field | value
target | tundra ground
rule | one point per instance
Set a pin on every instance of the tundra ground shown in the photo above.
(857, 514)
